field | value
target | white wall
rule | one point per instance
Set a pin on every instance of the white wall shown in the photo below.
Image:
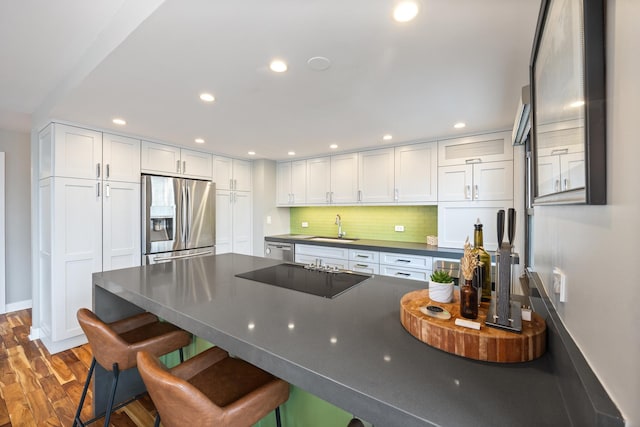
(264, 197)
(597, 246)
(16, 145)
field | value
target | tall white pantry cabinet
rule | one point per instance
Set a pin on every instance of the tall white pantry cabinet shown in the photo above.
(89, 215)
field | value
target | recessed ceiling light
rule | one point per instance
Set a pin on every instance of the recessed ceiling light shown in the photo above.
(387, 137)
(291, 153)
(207, 97)
(199, 140)
(278, 66)
(333, 146)
(405, 11)
(459, 125)
(251, 153)
(119, 121)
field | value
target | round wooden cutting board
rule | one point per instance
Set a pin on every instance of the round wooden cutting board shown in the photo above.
(487, 344)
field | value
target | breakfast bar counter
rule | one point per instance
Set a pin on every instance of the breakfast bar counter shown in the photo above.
(351, 351)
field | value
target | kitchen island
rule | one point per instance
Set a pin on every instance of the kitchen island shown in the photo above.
(351, 351)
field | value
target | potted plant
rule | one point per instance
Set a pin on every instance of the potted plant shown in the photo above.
(441, 286)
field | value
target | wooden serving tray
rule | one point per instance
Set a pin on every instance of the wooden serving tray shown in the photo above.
(487, 344)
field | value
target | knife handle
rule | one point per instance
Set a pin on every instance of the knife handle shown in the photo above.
(511, 230)
(500, 227)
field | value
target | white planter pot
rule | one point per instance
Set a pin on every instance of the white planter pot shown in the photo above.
(441, 292)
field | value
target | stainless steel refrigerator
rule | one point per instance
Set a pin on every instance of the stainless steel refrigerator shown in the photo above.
(178, 218)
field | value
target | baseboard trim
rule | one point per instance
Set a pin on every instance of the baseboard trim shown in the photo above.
(57, 346)
(15, 306)
(34, 334)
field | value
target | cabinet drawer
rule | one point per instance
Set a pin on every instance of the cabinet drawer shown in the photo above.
(323, 251)
(342, 264)
(364, 256)
(403, 260)
(405, 273)
(364, 267)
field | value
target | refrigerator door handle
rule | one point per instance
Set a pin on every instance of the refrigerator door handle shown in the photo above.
(184, 214)
(189, 211)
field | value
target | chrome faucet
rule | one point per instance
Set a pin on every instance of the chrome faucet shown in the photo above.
(341, 233)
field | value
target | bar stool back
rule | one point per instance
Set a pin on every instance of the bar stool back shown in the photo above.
(114, 347)
(211, 389)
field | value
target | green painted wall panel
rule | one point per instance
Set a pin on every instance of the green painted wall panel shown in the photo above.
(368, 222)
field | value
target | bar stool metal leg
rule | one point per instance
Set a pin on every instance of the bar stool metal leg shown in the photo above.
(278, 422)
(76, 420)
(114, 385)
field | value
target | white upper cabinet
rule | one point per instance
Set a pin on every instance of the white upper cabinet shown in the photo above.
(160, 158)
(344, 179)
(231, 174)
(375, 176)
(171, 160)
(291, 183)
(318, 180)
(70, 151)
(491, 147)
(480, 181)
(121, 158)
(196, 164)
(416, 173)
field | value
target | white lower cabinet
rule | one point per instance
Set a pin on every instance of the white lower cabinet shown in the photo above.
(121, 224)
(86, 226)
(405, 266)
(233, 222)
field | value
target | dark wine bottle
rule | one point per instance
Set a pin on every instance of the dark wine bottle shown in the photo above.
(485, 259)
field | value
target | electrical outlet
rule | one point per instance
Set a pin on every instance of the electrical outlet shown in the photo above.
(399, 227)
(268, 219)
(560, 284)
(305, 224)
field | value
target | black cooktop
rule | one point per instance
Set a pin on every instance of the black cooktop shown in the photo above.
(297, 277)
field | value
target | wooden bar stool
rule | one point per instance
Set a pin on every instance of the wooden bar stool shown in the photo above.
(114, 347)
(211, 389)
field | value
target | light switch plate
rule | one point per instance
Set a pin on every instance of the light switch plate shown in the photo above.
(560, 284)
(399, 228)
(305, 224)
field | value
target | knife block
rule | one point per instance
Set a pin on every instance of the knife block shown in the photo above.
(504, 313)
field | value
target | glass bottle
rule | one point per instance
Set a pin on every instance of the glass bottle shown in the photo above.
(485, 259)
(468, 300)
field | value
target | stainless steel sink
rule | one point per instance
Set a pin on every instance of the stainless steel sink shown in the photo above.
(332, 239)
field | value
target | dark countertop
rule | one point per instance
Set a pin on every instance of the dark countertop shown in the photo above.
(351, 351)
(373, 245)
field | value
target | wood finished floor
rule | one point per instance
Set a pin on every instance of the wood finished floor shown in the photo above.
(40, 389)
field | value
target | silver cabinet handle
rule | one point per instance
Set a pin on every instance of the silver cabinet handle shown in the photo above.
(230, 184)
(556, 185)
(293, 198)
(396, 194)
(178, 166)
(235, 184)
(362, 265)
(403, 260)
(97, 170)
(473, 161)
(476, 192)
(331, 197)
(399, 273)
(359, 195)
(107, 170)
(467, 192)
(566, 184)
(107, 192)
(184, 166)
(362, 256)
(327, 197)
(98, 189)
(560, 151)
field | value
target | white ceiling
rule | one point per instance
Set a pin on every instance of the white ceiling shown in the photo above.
(147, 61)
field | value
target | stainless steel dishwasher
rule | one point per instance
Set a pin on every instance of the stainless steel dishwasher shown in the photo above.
(278, 250)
